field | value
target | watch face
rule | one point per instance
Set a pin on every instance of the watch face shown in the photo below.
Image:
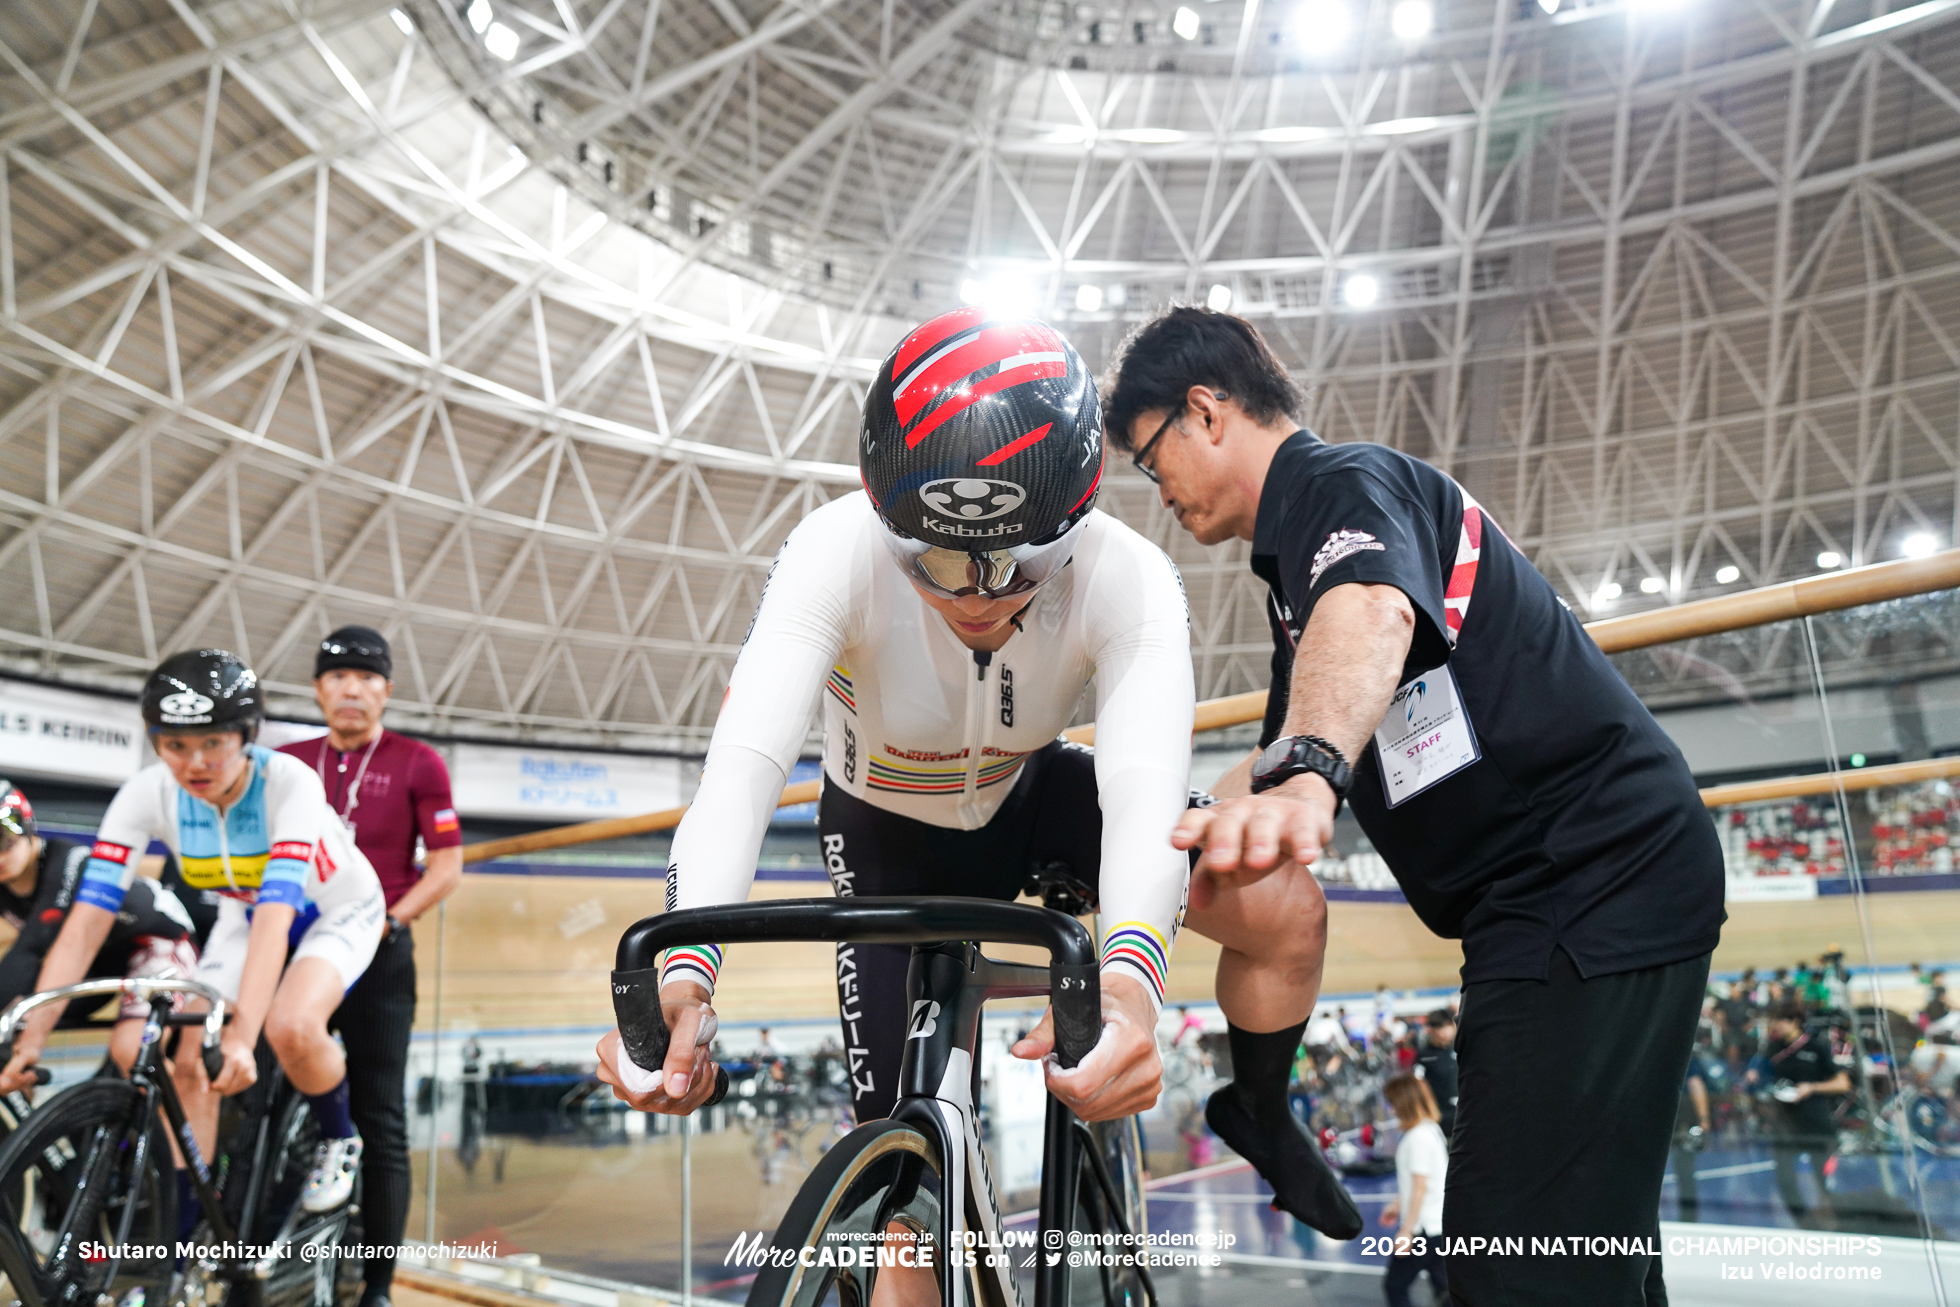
(1275, 754)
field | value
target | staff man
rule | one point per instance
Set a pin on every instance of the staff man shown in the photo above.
(392, 791)
(1526, 801)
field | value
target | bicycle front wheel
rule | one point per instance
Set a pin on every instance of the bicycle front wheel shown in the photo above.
(91, 1202)
(881, 1176)
(1109, 1201)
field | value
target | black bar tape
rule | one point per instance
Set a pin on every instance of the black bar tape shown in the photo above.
(1075, 993)
(636, 1005)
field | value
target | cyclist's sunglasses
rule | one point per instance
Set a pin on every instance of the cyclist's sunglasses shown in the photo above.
(991, 573)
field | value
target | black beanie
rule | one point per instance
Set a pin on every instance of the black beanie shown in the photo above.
(360, 647)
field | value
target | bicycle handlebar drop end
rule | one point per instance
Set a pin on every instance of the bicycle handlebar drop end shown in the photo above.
(643, 1030)
(636, 1006)
(1076, 1001)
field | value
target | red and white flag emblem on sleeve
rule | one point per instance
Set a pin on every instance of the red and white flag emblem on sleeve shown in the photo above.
(1463, 577)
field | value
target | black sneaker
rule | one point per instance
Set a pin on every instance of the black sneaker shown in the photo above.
(1288, 1159)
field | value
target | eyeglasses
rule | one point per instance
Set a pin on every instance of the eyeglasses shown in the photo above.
(1138, 459)
(990, 573)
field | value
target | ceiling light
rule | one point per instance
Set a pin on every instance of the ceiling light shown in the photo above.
(1607, 593)
(1322, 25)
(1185, 24)
(1003, 295)
(1651, 585)
(1411, 20)
(1918, 545)
(1828, 559)
(1088, 299)
(1117, 295)
(401, 21)
(1727, 575)
(1361, 291)
(479, 15)
(1549, 6)
(500, 41)
(1219, 298)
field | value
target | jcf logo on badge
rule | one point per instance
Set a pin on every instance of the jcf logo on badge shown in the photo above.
(925, 1018)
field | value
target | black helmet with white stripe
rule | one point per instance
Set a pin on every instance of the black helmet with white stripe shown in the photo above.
(203, 690)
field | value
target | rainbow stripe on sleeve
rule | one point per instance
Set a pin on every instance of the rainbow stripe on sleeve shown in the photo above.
(697, 962)
(1137, 945)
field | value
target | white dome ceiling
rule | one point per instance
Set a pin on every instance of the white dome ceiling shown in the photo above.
(533, 361)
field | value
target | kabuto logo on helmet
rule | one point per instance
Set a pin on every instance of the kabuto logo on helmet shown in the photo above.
(971, 499)
(185, 706)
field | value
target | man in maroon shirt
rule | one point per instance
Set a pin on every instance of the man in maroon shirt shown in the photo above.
(390, 790)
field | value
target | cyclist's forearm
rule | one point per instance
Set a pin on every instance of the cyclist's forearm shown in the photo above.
(1145, 701)
(265, 959)
(715, 849)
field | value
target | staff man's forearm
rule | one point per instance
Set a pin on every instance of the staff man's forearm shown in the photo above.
(1349, 664)
(442, 872)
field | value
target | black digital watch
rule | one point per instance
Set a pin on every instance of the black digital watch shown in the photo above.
(1296, 755)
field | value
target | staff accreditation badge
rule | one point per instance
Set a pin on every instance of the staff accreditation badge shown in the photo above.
(1425, 737)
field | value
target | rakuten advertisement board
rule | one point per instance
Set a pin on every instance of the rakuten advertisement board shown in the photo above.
(488, 781)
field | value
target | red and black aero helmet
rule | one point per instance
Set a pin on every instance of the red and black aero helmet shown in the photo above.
(203, 689)
(16, 814)
(982, 434)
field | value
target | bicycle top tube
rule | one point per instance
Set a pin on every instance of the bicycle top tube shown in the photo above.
(1075, 984)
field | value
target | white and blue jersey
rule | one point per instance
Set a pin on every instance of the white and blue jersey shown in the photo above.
(279, 842)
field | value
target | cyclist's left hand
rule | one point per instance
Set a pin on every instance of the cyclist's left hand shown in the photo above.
(1123, 1073)
(20, 1071)
(241, 1069)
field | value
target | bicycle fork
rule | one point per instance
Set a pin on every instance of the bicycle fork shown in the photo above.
(938, 1086)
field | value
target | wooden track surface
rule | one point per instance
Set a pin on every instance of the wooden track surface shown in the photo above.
(533, 952)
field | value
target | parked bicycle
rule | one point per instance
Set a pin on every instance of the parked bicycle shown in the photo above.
(89, 1180)
(922, 1171)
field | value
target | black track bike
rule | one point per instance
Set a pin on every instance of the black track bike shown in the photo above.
(922, 1173)
(88, 1196)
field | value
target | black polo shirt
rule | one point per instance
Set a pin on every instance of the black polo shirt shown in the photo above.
(1563, 815)
(1807, 1060)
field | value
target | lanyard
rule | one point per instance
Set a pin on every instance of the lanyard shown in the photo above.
(353, 798)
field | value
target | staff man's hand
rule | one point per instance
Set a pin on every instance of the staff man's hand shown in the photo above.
(1123, 1073)
(687, 1078)
(1247, 839)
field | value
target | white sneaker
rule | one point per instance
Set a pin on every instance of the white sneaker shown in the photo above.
(335, 1163)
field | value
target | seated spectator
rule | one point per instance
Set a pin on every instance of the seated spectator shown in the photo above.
(1936, 1065)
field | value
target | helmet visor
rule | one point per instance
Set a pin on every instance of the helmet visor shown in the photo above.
(990, 573)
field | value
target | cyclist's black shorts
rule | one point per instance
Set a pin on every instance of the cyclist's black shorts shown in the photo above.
(1051, 821)
(150, 936)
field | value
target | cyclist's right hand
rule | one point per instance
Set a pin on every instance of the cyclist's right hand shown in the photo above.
(687, 1078)
(241, 1069)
